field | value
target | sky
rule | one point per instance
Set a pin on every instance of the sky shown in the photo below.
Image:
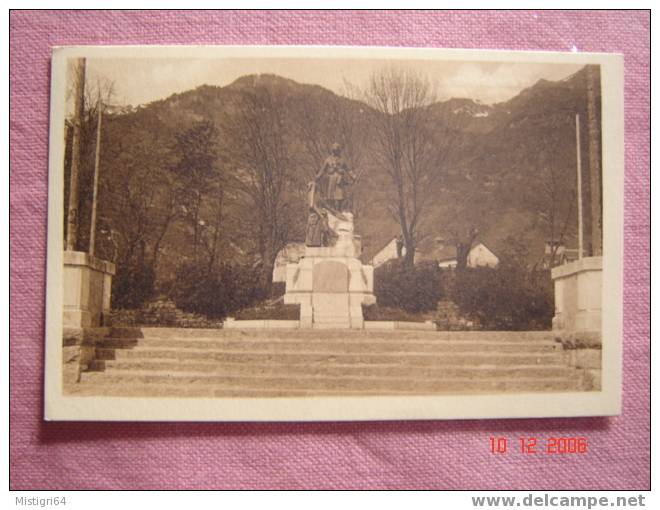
(141, 80)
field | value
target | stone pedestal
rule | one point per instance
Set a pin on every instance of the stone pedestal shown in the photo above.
(330, 283)
(578, 295)
(87, 289)
(577, 321)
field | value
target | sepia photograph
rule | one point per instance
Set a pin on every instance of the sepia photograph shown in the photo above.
(316, 233)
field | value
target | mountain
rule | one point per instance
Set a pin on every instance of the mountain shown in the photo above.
(516, 164)
(507, 169)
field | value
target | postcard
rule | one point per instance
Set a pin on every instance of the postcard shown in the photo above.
(333, 233)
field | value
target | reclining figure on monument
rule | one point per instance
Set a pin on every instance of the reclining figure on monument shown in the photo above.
(329, 201)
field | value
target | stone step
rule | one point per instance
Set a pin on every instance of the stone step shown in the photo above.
(329, 384)
(289, 334)
(322, 337)
(165, 366)
(298, 357)
(144, 332)
(288, 363)
(168, 390)
(321, 324)
(178, 391)
(339, 346)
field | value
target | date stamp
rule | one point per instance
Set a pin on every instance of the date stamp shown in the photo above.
(534, 445)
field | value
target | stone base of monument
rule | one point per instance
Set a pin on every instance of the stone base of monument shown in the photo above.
(330, 289)
(330, 283)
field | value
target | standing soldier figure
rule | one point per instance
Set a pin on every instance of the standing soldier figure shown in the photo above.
(333, 179)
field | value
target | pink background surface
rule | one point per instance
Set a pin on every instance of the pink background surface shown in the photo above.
(431, 454)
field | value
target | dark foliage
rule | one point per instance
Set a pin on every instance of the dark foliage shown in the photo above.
(277, 289)
(505, 298)
(413, 289)
(216, 293)
(382, 313)
(277, 311)
(132, 286)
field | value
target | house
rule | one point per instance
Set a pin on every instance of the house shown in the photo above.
(388, 252)
(445, 254)
(479, 256)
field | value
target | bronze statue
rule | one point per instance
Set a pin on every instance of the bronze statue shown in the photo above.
(328, 193)
(333, 180)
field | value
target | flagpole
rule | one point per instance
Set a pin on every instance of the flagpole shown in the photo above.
(579, 185)
(97, 162)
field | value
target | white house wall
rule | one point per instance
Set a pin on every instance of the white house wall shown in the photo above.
(387, 253)
(480, 256)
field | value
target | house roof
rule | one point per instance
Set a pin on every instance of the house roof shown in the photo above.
(428, 249)
(383, 247)
(445, 253)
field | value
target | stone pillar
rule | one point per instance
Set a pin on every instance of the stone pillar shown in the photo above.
(578, 295)
(87, 283)
(87, 290)
(577, 321)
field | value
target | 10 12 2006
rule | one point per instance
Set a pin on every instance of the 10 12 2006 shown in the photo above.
(533, 445)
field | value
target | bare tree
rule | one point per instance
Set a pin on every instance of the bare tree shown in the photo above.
(211, 233)
(81, 129)
(73, 207)
(463, 242)
(404, 141)
(552, 191)
(555, 218)
(138, 202)
(141, 206)
(257, 143)
(196, 167)
(322, 121)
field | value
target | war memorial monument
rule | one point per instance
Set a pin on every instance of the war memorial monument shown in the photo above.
(329, 282)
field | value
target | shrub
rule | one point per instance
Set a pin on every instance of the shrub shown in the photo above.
(505, 298)
(216, 293)
(382, 313)
(277, 289)
(413, 289)
(132, 286)
(277, 311)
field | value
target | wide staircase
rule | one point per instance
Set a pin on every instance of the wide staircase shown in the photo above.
(170, 362)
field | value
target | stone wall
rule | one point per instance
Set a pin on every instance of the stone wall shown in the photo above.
(162, 312)
(78, 351)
